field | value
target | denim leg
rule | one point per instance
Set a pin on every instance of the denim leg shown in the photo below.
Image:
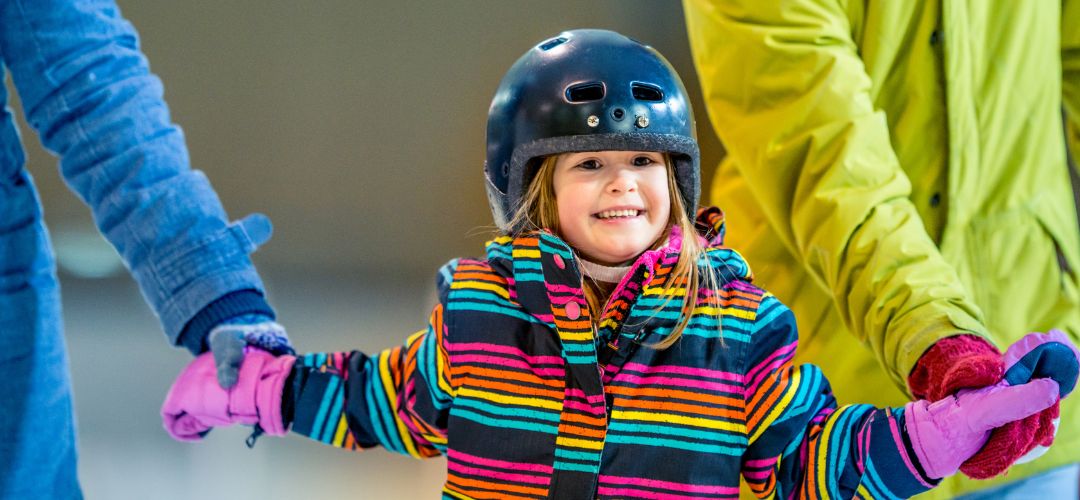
(37, 421)
(1062, 482)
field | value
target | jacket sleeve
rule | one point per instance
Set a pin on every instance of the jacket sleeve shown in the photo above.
(790, 98)
(88, 92)
(802, 445)
(398, 399)
(1070, 75)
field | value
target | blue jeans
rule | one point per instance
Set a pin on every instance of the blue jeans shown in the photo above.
(37, 430)
(88, 92)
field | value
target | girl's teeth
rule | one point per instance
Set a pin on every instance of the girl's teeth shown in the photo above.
(608, 214)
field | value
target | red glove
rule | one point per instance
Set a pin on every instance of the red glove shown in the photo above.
(968, 361)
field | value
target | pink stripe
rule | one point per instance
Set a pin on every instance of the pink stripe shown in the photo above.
(584, 408)
(757, 474)
(463, 359)
(636, 493)
(668, 485)
(771, 365)
(563, 299)
(761, 462)
(556, 288)
(897, 440)
(657, 380)
(745, 287)
(681, 370)
(501, 476)
(485, 347)
(498, 464)
(578, 393)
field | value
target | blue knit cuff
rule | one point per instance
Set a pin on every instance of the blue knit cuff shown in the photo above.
(238, 303)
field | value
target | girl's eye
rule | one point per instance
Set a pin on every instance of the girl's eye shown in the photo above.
(589, 164)
(642, 161)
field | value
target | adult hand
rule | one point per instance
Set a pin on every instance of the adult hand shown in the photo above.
(228, 341)
(1036, 355)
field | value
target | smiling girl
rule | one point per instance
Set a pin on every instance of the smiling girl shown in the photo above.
(608, 345)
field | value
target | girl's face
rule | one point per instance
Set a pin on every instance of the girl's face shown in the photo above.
(613, 205)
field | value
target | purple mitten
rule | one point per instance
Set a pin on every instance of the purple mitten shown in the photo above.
(946, 433)
(196, 403)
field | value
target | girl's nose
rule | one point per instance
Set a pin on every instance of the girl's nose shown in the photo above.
(623, 181)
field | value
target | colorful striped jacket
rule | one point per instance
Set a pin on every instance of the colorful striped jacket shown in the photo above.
(510, 382)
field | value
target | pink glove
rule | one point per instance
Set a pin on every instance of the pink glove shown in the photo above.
(946, 433)
(196, 403)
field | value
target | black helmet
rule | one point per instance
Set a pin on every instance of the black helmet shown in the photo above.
(586, 90)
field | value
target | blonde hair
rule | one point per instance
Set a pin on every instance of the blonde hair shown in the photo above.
(539, 210)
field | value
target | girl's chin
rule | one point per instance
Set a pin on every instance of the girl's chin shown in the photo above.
(614, 258)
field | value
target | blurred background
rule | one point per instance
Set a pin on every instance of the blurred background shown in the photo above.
(358, 127)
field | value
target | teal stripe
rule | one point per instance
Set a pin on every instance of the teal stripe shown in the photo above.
(335, 409)
(680, 445)
(768, 318)
(503, 423)
(528, 277)
(838, 449)
(486, 407)
(671, 430)
(591, 468)
(581, 456)
(578, 347)
(381, 413)
(456, 305)
(498, 251)
(579, 360)
(873, 483)
(481, 295)
(550, 244)
(532, 265)
(324, 406)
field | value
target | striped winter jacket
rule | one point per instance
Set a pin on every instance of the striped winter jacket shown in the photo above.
(511, 383)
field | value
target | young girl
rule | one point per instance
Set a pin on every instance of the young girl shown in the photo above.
(609, 345)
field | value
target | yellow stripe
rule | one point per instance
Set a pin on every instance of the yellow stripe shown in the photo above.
(739, 313)
(579, 443)
(823, 446)
(385, 374)
(579, 336)
(526, 253)
(669, 418)
(780, 406)
(481, 285)
(342, 429)
(513, 400)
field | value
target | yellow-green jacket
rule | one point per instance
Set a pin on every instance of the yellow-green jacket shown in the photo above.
(896, 172)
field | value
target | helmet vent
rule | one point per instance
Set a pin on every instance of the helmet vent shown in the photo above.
(646, 92)
(585, 92)
(551, 44)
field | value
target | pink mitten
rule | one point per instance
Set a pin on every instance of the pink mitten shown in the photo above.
(946, 433)
(196, 403)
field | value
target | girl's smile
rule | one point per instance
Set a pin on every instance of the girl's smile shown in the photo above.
(613, 205)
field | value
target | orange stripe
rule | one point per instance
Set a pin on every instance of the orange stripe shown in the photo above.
(501, 488)
(633, 392)
(507, 374)
(516, 390)
(733, 415)
(574, 430)
(489, 277)
(771, 397)
(582, 418)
